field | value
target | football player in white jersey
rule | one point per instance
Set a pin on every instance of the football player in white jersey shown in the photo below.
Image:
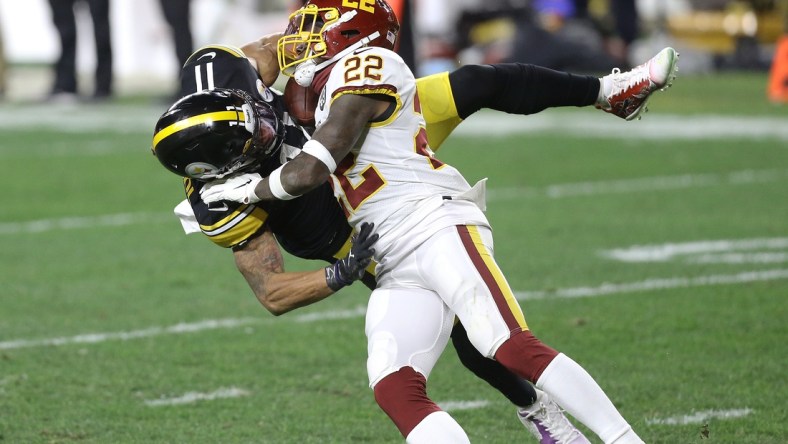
(435, 247)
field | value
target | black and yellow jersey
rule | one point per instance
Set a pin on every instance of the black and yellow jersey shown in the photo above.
(310, 227)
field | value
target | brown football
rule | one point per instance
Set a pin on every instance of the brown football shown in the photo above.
(301, 103)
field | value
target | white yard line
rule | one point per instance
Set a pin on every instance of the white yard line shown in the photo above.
(656, 284)
(588, 123)
(666, 252)
(702, 417)
(192, 397)
(86, 222)
(556, 191)
(639, 185)
(453, 406)
(659, 127)
(359, 311)
(94, 338)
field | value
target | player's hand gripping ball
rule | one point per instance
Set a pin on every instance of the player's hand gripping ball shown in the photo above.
(301, 103)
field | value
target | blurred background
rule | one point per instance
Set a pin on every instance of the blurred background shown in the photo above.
(138, 45)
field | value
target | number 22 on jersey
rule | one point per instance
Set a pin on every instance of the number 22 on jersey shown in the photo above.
(369, 67)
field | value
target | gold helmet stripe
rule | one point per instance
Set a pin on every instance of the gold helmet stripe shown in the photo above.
(181, 125)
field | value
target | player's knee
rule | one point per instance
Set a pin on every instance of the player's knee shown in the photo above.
(382, 356)
(525, 355)
(482, 334)
(403, 396)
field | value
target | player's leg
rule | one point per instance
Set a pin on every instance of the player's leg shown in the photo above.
(99, 11)
(65, 67)
(519, 391)
(540, 415)
(473, 286)
(407, 329)
(519, 88)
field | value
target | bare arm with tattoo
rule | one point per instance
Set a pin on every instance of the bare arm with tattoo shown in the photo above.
(261, 263)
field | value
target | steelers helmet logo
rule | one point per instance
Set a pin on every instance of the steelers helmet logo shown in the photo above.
(198, 170)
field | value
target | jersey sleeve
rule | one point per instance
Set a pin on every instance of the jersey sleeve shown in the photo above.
(227, 224)
(438, 107)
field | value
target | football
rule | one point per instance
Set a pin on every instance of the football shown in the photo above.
(301, 103)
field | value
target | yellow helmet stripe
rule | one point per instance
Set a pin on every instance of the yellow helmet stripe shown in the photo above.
(197, 120)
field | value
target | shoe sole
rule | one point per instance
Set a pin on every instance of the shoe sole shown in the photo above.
(674, 67)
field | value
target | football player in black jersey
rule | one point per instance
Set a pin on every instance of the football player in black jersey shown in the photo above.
(260, 135)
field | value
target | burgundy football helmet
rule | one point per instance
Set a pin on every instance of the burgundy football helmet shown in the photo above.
(323, 31)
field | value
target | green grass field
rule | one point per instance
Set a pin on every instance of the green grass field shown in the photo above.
(115, 327)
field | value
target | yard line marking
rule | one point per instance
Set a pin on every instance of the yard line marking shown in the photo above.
(555, 191)
(660, 127)
(74, 223)
(740, 258)
(359, 311)
(449, 406)
(639, 184)
(666, 252)
(656, 284)
(702, 417)
(128, 118)
(192, 397)
(93, 338)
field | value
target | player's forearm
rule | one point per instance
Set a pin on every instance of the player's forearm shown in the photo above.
(261, 264)
(283, 292)
(295, 178)
(263, 51)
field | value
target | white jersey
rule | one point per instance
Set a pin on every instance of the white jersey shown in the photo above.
(391, 177)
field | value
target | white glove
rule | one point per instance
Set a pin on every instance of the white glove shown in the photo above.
(238, 188)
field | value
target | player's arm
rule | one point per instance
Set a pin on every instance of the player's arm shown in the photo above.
(349, 116)
(260, 262)
(263, 51)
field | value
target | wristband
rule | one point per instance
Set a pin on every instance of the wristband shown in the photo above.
(316, 149)
(334, 279)
(275, 184)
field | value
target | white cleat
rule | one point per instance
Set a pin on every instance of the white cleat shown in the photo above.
(626, 93)
(547, 422)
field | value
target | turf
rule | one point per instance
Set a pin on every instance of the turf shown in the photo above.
(99, 286)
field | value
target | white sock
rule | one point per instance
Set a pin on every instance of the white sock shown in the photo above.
(437, 428)
(576, 391)
(605, 87)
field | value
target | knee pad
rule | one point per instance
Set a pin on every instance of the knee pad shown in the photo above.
(403, 396)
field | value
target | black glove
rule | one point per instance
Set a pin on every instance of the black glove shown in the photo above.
(351, 267)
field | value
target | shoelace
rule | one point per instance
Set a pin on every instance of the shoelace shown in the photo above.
(556, 423)
(624, 81)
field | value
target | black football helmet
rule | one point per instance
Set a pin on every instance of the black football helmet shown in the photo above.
(211, 134)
